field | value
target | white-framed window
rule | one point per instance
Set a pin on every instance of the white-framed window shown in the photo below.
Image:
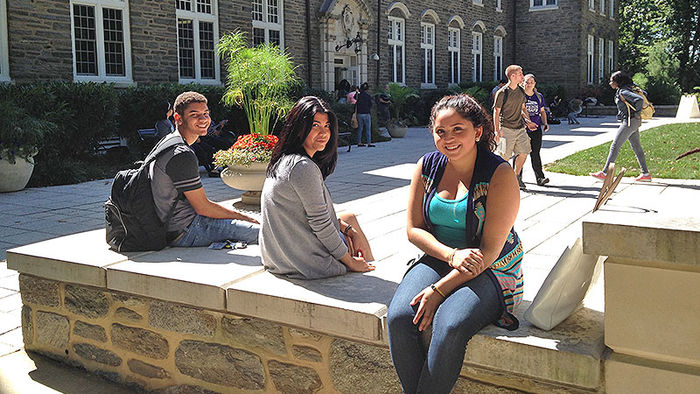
(453, 49)
(197, 35)
(396, 49)
(591, 44)
(497, 57)
(536, 5)
(477, 46)
(101, 41)
(601, 59)
(268, 22)
(611, 14)
(591, 5)
(4, 52)
(499, 6)
(427, 46)
(602, 7)
(611, 56)
(478, 2)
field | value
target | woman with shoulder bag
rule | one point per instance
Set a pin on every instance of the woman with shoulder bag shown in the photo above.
(463, 201)
(629, 107)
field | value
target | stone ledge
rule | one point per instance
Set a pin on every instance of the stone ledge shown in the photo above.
(653, 239)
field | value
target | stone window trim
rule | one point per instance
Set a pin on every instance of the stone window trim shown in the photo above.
(401, 7)
(427, 46)
(543, 5)
(397, 39)
(266, 25)
(479, 3)
(601, 59)
(196, 18)
(590, 61)
(101, 73)
(611, 56)
(4, 47)
(454, 50)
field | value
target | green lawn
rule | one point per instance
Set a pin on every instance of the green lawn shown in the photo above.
(661, 146)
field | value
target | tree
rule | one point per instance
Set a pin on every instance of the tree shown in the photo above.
(642, 22)
(684, 27)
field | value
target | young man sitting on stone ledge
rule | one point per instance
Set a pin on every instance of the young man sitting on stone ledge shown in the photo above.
(195, 220)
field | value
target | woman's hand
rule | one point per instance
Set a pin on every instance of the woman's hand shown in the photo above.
(428, 301)
(357, 264)
(468, 261)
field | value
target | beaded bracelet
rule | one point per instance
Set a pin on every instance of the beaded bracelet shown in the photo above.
(435, 288)
(348, 228)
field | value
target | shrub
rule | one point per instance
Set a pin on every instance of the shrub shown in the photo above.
(21, 134)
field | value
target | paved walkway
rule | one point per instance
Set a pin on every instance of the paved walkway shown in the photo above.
(549, 219)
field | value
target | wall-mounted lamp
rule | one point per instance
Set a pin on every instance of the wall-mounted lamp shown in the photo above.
(375, 57)
(348, 43)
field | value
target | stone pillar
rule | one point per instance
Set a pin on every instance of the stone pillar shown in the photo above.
(652, 296)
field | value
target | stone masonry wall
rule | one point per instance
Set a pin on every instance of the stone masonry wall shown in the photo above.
(172, 348)
(39, 38)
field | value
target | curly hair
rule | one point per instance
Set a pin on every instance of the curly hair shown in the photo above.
(187, 98)
(621, 79)
(471, 110)
(297, 127)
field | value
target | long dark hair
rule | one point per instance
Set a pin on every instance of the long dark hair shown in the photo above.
(621, 79)
(467, 107)
(295, 130)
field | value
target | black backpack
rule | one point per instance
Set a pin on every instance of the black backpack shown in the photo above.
(131, 220)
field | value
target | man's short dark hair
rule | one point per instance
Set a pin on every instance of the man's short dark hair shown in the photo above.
(187, 98)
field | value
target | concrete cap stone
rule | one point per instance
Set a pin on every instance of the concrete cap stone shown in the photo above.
(645, 237)
(192, 276)
(77, 258)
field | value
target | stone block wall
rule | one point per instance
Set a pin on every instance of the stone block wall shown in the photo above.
(167, 347)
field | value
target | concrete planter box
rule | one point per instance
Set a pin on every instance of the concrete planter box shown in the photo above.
(14, 177)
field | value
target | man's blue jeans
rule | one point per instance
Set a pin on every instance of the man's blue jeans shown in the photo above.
(205, 230)
(364, 123)
(467, 309)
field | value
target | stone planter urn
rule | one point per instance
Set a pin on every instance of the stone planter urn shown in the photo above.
(396, 130)
(249, 178)
(14, 177)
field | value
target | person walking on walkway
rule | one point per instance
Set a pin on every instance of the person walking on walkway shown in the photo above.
(535, 105)
(510, 119)
(364, 119)
(462, 204)
(629, 107)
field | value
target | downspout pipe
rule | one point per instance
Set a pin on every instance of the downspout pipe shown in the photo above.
(308, 41)
(378, 62)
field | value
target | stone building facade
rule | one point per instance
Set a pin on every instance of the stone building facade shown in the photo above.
(424, 44)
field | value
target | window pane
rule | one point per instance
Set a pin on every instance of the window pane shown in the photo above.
(185, 34)
(399, 63)
(85, 44)
(204, 6)
(114, 41)
(272, 11)
(184, 5)
(429, 54)
(206, 50)
(275, 37)
(258, 36)
(392, 61)
(258, 10)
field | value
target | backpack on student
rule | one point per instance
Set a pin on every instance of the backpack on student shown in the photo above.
(131, 220)
(647, 111)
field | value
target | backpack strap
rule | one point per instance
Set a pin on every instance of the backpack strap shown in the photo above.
(627, 104)
(163, 146)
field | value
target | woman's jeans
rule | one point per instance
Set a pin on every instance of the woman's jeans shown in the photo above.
(205, 230)
(630, 133)
(572, 116)
(364, 122)
(467, 309)
(536, 146)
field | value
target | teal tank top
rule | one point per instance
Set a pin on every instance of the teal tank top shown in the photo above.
(449, 219)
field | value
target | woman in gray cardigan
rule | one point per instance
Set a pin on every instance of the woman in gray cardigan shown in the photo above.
(300, 234)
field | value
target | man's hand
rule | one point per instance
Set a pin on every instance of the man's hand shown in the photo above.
(545, 128)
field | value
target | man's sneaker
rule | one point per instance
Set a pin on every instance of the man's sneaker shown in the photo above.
(521, 184)
(599, 175)
(643, 178)
(542, 181)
